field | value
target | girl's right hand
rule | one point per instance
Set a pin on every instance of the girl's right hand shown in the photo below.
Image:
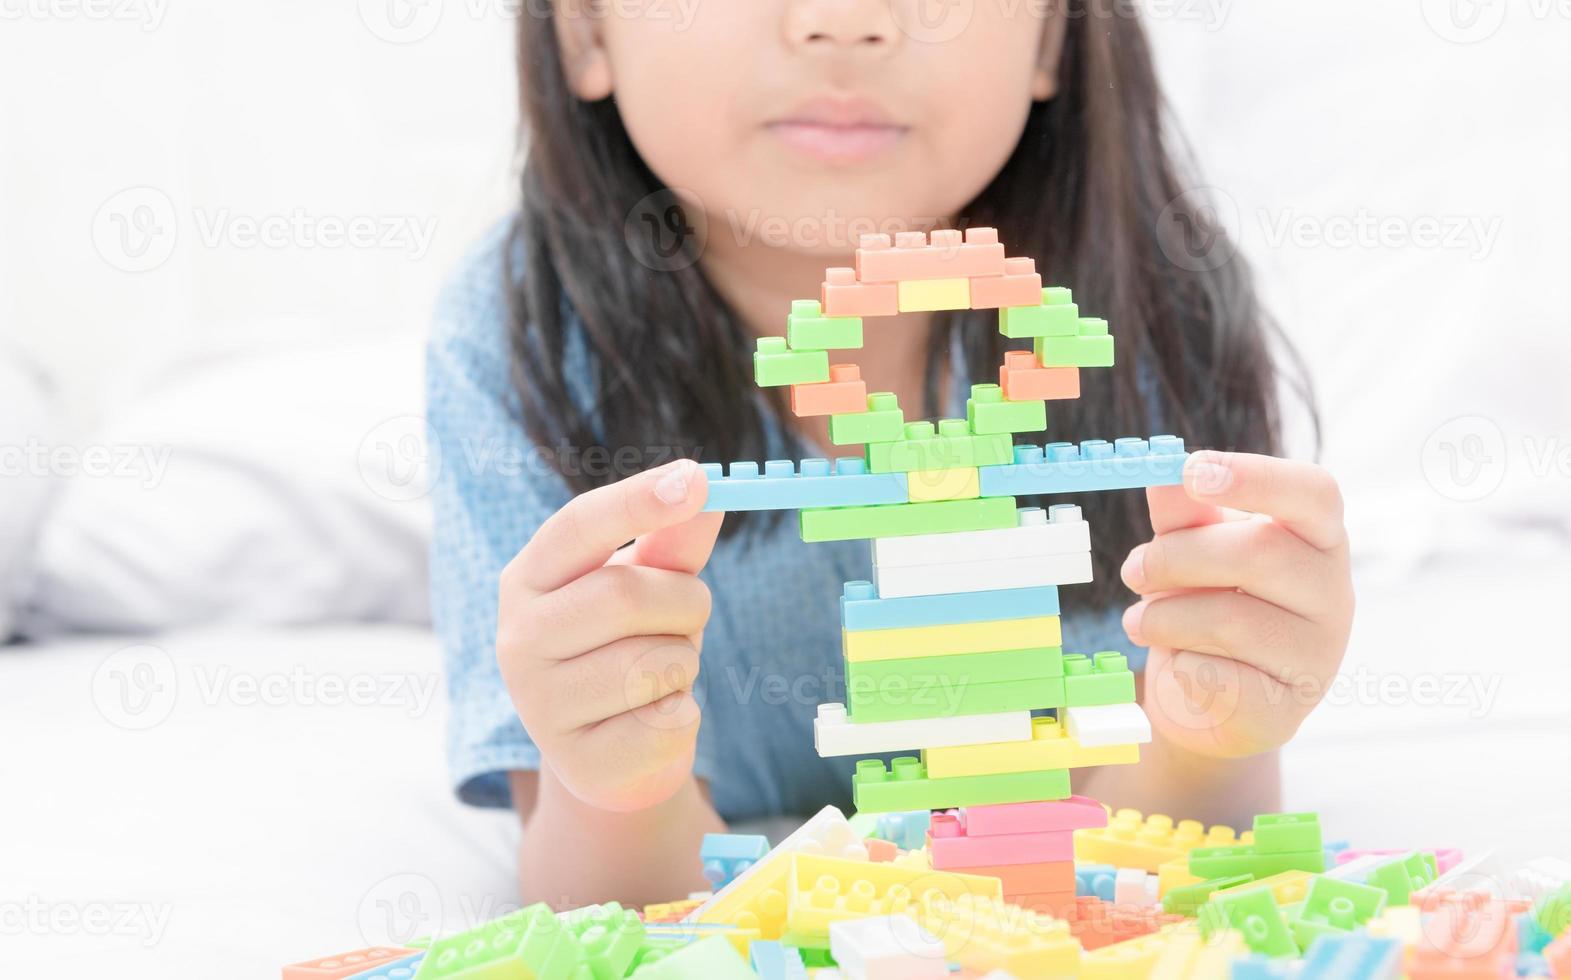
(599, 643)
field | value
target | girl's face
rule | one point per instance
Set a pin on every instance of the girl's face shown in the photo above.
(804, 123)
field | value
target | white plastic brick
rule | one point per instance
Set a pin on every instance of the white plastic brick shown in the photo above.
(982, 576)
(1541, 876)
(1060, 530)
(886, 947)
(835, 734)
(1108, 724)
(1129, 887)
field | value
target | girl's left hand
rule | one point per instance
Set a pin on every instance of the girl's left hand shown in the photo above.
(1246, 601)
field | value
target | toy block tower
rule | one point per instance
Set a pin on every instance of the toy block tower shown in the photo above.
(956, 641)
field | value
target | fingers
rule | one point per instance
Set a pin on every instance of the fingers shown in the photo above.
(627, 675)
(682, 547)
(1301, 497)
(1172, 508)
(1233, 625)
(1257, 556)
(606, 605)
(584, 534)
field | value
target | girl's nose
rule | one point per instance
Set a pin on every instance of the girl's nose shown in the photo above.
(834, 25)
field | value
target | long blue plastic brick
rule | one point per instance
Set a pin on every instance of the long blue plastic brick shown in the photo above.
(1094, 465)
(862, 609)
(1354, 956)
(774, 961)
(780, 487)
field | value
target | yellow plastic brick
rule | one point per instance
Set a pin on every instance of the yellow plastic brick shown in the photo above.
(956, 484)
(1403, 922)
(1032, 632)
(1132, 841)
(1050, 747)
(1186, 956)
(821, 890)
(1174, 874)
(1287, 886)
(922, 295)
(985, 934)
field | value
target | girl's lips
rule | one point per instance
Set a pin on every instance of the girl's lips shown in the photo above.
(836, 142)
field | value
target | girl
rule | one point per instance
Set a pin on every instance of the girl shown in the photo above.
(609, 328)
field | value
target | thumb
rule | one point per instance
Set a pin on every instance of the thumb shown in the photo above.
(1175, 508)
(683, 547)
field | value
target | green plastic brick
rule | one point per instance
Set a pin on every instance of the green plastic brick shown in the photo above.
(1332, 906)
(1187, 899)
(774, 364)
(896, 520)
(528, 943)
(1553, 913)
(1220, 862)
(882, 422)
(987, 413)
(973, 668)
(610, 937)
(1400, 877)
(906, 699)
(713, 959)
(808, 329)
(950, 446)
(1253, 912)
(1279, 832)
(1056, 296)
(905, 786)
(1091, 347)
(1047, 320)
(1101, 679)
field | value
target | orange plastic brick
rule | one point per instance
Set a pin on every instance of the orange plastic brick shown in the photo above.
(346, 964)
(844, 393)
(1024, 380)
(1055, 904)
(946, 254)
(1028, 879)
(1097, 923)
(842, 295)
(1020, 285)
(881, 850)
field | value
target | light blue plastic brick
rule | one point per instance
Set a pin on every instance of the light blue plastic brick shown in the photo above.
(725, 856)
(403, 969)
(775, 961)
(780, 486)
(1096, 880)
(1354, 956)
(907, 830)
(1095, 465)
(1257, 967)
(862, 609)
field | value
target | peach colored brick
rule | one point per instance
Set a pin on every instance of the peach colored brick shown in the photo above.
(1024, 380)
(844, 393)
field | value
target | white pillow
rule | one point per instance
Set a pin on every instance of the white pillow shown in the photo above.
(27, 423)
(280, 482)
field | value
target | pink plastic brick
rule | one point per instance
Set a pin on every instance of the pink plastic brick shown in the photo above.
(1075, 813)
(842, 295)
(951, 849)
(947, 254)
(1020, 285)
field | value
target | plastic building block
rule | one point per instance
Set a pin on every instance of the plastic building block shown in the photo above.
(1021, 378)
(1130, 841)
(845, 393)
(1181, 953)
(725, 856)
(1095, 465)
(1446, 858)
(1041, 878)
(908, 829)
(1091, 346)
(924, 295)
(1400, 877)
(1101, 679)
(713, 958)
(898, 699)
(1216, 862)
(404, 969)
(530, 942)
(1173, 875)
(1276, 833)
(881, 421)
(984, 576)
(951, 848)
(807, 328)
(1288, 886)
(949, 445)
(1049, 747)
(1188, 899)
(670, 911)
(946, 254)
(1253, 912)
(1130, 889)
(609, 935)
(834, 734)
(823, 890)
(1043, 319)
(773, 961)
(962, 483)
(1332, 907)
(1557, 956)
(966, 668)
(890, 520)
(1257, 967)
(1097, 881)
(904, 785)
(881, 850)
(1107, 724)
(1465, 940)
(1535, 879)
(861, 608)
(934, 641)
(841, 295)
(1553, 914)
(988, 413)
(990, 934)
(1020, 285)
(891, 947)
(818, 484)
(347, 964)
(1073, 813)
(1097, 923)
(1058, 530)
(775, 364)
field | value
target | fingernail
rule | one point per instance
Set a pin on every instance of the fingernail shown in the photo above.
(1209, 479)
(1132, 617)
(1134, 571)
(672, 488)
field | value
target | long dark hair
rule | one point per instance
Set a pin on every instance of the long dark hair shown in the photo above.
(1091, 192)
